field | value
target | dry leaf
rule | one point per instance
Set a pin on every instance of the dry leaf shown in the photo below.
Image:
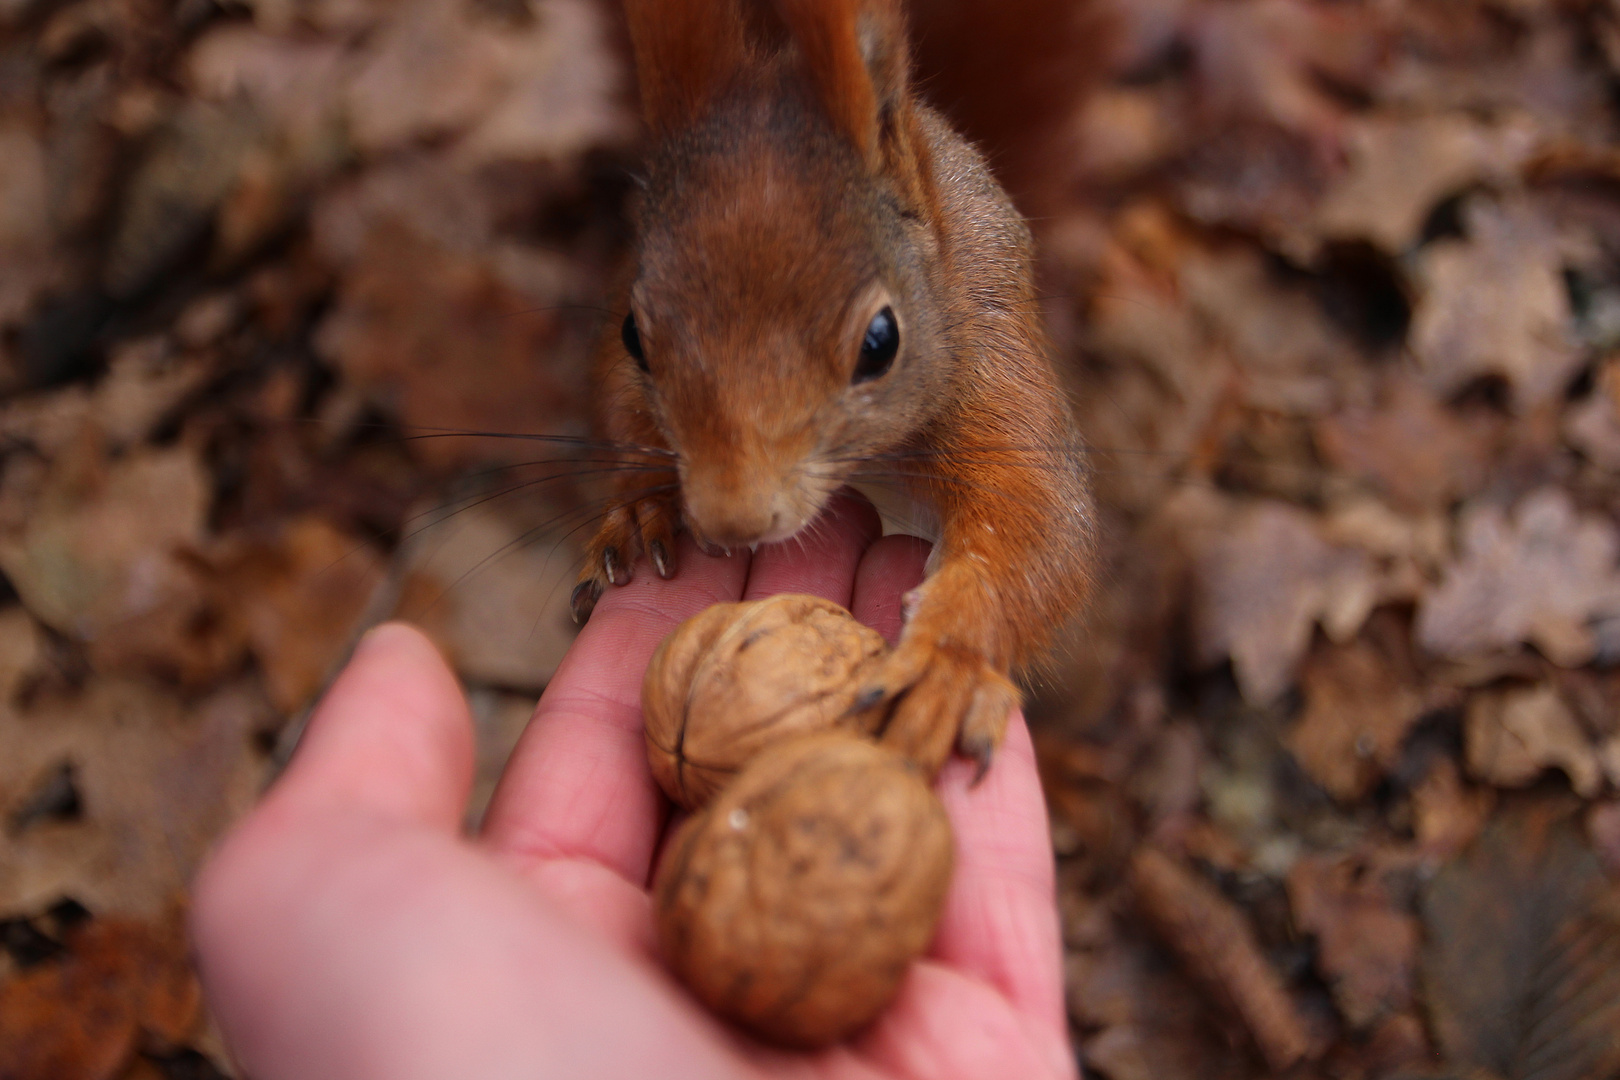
(1142, 1019)
(1417, 453)
(1512, 735)
(156, 779)
(1521, 964)
(1358, 709)
(1366, 948)
(78, 1016)
(1402, 167)
(1265, 578)
(102, 559)
(1446, 813)
(299, 598)
(1496, 304)
(540, 90)
(1542, 576)
(437, 338)
(493, 592)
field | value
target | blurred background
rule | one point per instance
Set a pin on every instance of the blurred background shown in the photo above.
(1335, 285)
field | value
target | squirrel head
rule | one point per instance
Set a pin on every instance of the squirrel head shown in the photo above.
(785, 306)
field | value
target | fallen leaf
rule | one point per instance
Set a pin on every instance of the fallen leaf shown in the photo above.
(27, 263)
(1521, 963)
(1593, 426)
(1495, 304)
(1603, 829)
(188, 168)
(1416, 452)
(1446, 813)
(1511, 736)
(440, 341)
(79, 1015)
(102, 560)
(1264, 579)
(1211, 937)
(1288, 354)
(1402, 167)
(157, 777)
(540, 89)
(1366, 948)
(494, 593)
(1541, 575)
(299, 597)
(1358, 709)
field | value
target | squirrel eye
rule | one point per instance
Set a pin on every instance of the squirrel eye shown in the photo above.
(878, 347)
(632, 341)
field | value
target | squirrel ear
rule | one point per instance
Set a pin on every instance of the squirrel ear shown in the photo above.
(856, 54)
(687, 52)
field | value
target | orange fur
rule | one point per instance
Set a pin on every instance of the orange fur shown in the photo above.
(809, 190)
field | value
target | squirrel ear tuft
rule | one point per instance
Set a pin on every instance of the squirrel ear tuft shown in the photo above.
(687, 53)
(856, 55)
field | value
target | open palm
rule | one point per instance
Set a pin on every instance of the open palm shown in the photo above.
(350, 929)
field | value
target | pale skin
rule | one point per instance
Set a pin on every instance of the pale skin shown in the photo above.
(349, 928)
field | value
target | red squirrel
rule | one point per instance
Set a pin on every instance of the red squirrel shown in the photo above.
(826, 280)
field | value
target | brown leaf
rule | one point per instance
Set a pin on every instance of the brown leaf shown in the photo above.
(1496, 304)
(1211, 937)
(494, 594)
(299, 598)
(1521, 965)
(1417, 453)
(1603, 829)
(441, 341)
(1265, 578)
(1513, 735)
(1366, 948)
(78, 1016)
(1358, 709)
(101, 559)
(1540, 575)
(157, 779)
(1446, 813)
(540, 89)
(1401, 167)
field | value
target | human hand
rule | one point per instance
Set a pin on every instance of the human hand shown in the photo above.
(348, 928)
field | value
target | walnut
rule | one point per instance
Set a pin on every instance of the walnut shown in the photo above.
(796, 901)
(740, 677)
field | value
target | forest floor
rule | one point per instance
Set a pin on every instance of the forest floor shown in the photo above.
(1333, 763)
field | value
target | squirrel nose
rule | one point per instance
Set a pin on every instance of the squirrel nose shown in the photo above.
(728, 518)
(730, 504)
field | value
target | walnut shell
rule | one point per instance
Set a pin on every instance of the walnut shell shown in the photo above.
(737, 678)
(795, 903)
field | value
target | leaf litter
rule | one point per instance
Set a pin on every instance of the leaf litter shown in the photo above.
(1333, 763)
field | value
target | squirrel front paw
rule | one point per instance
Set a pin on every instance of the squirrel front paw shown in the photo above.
(647, 526)
(940, 697)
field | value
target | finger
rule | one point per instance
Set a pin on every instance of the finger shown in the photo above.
(335, 946)
(891, 567)
(577, 785)
(822, 559)
(949, 1026)
(1000, 922)
(391, 739)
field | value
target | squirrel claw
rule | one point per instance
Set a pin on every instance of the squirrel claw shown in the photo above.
(942, 697)
(582, 601)
(611, 567)
(659, 554)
